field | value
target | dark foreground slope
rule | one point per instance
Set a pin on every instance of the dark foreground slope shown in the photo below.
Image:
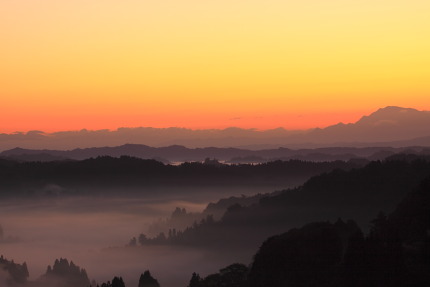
(394, 253)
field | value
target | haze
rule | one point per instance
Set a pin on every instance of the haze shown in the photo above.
(93, 233)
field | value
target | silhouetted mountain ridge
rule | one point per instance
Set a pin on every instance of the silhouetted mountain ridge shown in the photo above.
(177, 153)
(389, 126)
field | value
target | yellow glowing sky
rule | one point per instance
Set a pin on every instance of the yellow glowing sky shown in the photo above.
(209, 64)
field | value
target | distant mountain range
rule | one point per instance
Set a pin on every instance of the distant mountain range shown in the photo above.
(177, 154)
(389, 126)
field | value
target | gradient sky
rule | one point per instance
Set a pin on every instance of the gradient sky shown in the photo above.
(209, 64)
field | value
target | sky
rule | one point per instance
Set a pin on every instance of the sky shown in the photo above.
(104, 64)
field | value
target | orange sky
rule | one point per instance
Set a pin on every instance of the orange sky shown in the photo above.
(209, 64)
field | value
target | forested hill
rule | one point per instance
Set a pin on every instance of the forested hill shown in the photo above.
(359, 194)
(125, 172)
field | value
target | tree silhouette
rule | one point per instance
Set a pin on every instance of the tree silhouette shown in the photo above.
(17, 273)
(195, 280)
(146, 280)
(117, 282)
(67, 273)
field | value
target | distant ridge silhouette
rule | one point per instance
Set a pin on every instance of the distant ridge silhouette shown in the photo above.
(176, 153)
(389, 126)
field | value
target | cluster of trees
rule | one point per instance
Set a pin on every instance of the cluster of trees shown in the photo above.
(69, 274)
(180, 219)
(116, 282)
(145, 280)
(63, 274)
(234, 275)
(186, 237)
(18, 273)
